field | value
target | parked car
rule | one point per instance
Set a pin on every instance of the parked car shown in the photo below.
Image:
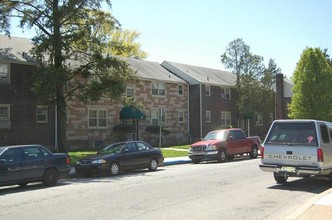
(23, 164)
(121, 156)
(223, 145)
(298, 148)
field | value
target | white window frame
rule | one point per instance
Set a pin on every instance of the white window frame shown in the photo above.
(207, 90)
(180, 90)
(42, 111)
(155, 116)
(226, 93)
(100, 118)
(5, 118)
(259, 120)
(4, 72)
(129, 95)
(180, 116)
(158, 88)
(226, 118)
(207, 116)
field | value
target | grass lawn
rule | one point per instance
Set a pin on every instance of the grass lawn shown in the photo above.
(76, 155)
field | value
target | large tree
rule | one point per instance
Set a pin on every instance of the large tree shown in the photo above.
(249, 69)
(312, 93)
(69, 44)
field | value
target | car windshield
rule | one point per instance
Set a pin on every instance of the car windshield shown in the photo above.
(111, 149)
(291, 133)
(216, 135)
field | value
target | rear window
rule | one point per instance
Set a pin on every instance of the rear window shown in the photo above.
(293, 133)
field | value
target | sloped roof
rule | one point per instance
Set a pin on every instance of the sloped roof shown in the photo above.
(152, 71)
(15, 49)
(201, 75)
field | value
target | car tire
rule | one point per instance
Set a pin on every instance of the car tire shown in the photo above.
(221, 156)
(280, 178)
(23, 184)
(153, 165)
(50, 177)
(196, 161)
(254, 152)
(114, 169)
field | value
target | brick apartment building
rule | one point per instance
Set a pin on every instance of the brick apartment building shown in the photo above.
(187, 100)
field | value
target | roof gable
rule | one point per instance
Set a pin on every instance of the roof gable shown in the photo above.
(152, 71)
(15, 49)
(201, 75)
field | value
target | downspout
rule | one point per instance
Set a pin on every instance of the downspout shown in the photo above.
(56, 128)
(188, 110)
(200, 110)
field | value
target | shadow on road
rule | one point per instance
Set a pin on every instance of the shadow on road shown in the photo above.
(312, 185)
(5, 190)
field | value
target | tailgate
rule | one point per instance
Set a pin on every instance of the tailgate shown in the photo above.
(290, 155)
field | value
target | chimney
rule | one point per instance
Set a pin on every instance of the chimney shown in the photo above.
(279, 96)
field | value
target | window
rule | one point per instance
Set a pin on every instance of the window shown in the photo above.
(208, 116)
(259, 120)
(207, 90)
(4, 73)
(158, 88)
(42, 114)
(324, 133)
(226, 93)
(155, 116)
(130, 92)
(180, 116)
(4, 112)
(97, 119)
(180, 89)
(142, 146)
(225, 118)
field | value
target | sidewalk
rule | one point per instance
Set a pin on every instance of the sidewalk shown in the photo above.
(320, 207)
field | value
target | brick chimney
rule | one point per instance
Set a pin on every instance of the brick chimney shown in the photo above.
(279, 95)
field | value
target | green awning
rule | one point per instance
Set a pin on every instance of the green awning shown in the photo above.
(131, 112)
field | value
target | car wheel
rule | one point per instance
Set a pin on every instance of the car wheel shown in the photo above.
(153, 165)
(196, 161)
(50, 177)
(221, 155)
(280, 177)
(23, 184)
(254, 152)
(230, 157)
(114, 169)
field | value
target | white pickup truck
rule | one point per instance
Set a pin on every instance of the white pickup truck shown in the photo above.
(298, 148)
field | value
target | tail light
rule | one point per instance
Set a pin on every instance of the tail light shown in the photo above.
(320, 156)
(68, 160)
(262, 152)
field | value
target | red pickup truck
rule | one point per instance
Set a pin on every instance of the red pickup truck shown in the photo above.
(223, 145)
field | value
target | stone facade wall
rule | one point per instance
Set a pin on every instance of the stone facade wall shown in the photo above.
(80, 135)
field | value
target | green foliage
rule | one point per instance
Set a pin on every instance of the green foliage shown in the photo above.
(312, 93)
(253, 79)
(155, 129)
(124, 128)
(70, 44)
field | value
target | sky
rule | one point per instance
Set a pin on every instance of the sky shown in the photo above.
(197, 32)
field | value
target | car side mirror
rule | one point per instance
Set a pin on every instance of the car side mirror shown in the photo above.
(126, 150)
(3, 161)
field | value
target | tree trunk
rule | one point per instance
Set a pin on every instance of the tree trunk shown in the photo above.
(60, 98)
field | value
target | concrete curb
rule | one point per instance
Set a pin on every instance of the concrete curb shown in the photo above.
(309, 205)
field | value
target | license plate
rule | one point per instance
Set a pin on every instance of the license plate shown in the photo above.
(288, 169)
